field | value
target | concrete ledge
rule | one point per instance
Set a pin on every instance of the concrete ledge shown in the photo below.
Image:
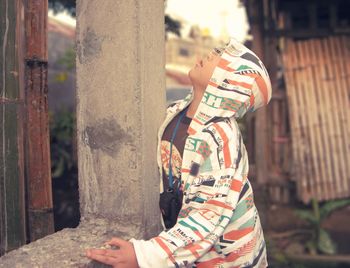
(66, 248)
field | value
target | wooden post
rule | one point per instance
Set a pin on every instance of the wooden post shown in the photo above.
(12, 208)
(38, 164)
(261, 146)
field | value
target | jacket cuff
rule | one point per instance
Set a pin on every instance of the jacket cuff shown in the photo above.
(148, 255)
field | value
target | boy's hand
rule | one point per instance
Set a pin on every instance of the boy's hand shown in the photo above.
(123, 257)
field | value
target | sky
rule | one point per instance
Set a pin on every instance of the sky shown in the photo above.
(217, 16)
(64, 17)
(212, 14)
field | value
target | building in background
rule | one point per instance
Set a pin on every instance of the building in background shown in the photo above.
(305, 46)
(61, 59)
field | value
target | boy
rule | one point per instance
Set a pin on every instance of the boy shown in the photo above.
(206, 199)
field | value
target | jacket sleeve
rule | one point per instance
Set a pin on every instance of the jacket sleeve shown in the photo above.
(209, 202)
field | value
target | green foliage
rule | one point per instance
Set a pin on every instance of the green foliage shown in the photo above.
(68, 62)
(325, 243)
(306, 215)
(329, 207)
(320, 240)
(68, 59)
(62, 127)
(61, 77)
(277, 258)
(172, 26)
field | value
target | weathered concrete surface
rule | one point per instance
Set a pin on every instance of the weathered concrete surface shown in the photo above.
(120, 105)
(67, 247)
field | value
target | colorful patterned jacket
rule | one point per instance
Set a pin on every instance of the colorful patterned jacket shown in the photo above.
(218, 225)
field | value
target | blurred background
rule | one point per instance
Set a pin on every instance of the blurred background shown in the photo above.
(298, 145)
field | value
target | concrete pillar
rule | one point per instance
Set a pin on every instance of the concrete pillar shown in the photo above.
(121, 103)
(120, 79)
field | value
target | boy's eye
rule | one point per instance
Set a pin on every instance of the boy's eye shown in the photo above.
(218, 51)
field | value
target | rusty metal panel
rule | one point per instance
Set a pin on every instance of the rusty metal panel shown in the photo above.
(38, 166)
(12, 208)
(36, 29)
(317, 74)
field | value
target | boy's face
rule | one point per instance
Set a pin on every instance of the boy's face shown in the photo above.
(201, 73)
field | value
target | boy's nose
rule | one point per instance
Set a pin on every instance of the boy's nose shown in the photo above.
(199, 61)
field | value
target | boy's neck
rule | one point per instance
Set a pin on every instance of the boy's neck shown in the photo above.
(198, 94)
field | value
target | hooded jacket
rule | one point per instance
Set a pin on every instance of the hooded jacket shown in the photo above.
(218, 225)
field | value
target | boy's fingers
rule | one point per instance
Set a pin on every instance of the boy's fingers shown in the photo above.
(105, 259)
(103, 252)
(115, 241)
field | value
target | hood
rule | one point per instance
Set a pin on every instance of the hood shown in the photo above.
(239, 84)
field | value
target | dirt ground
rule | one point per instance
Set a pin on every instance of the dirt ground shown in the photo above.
(285, 232)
